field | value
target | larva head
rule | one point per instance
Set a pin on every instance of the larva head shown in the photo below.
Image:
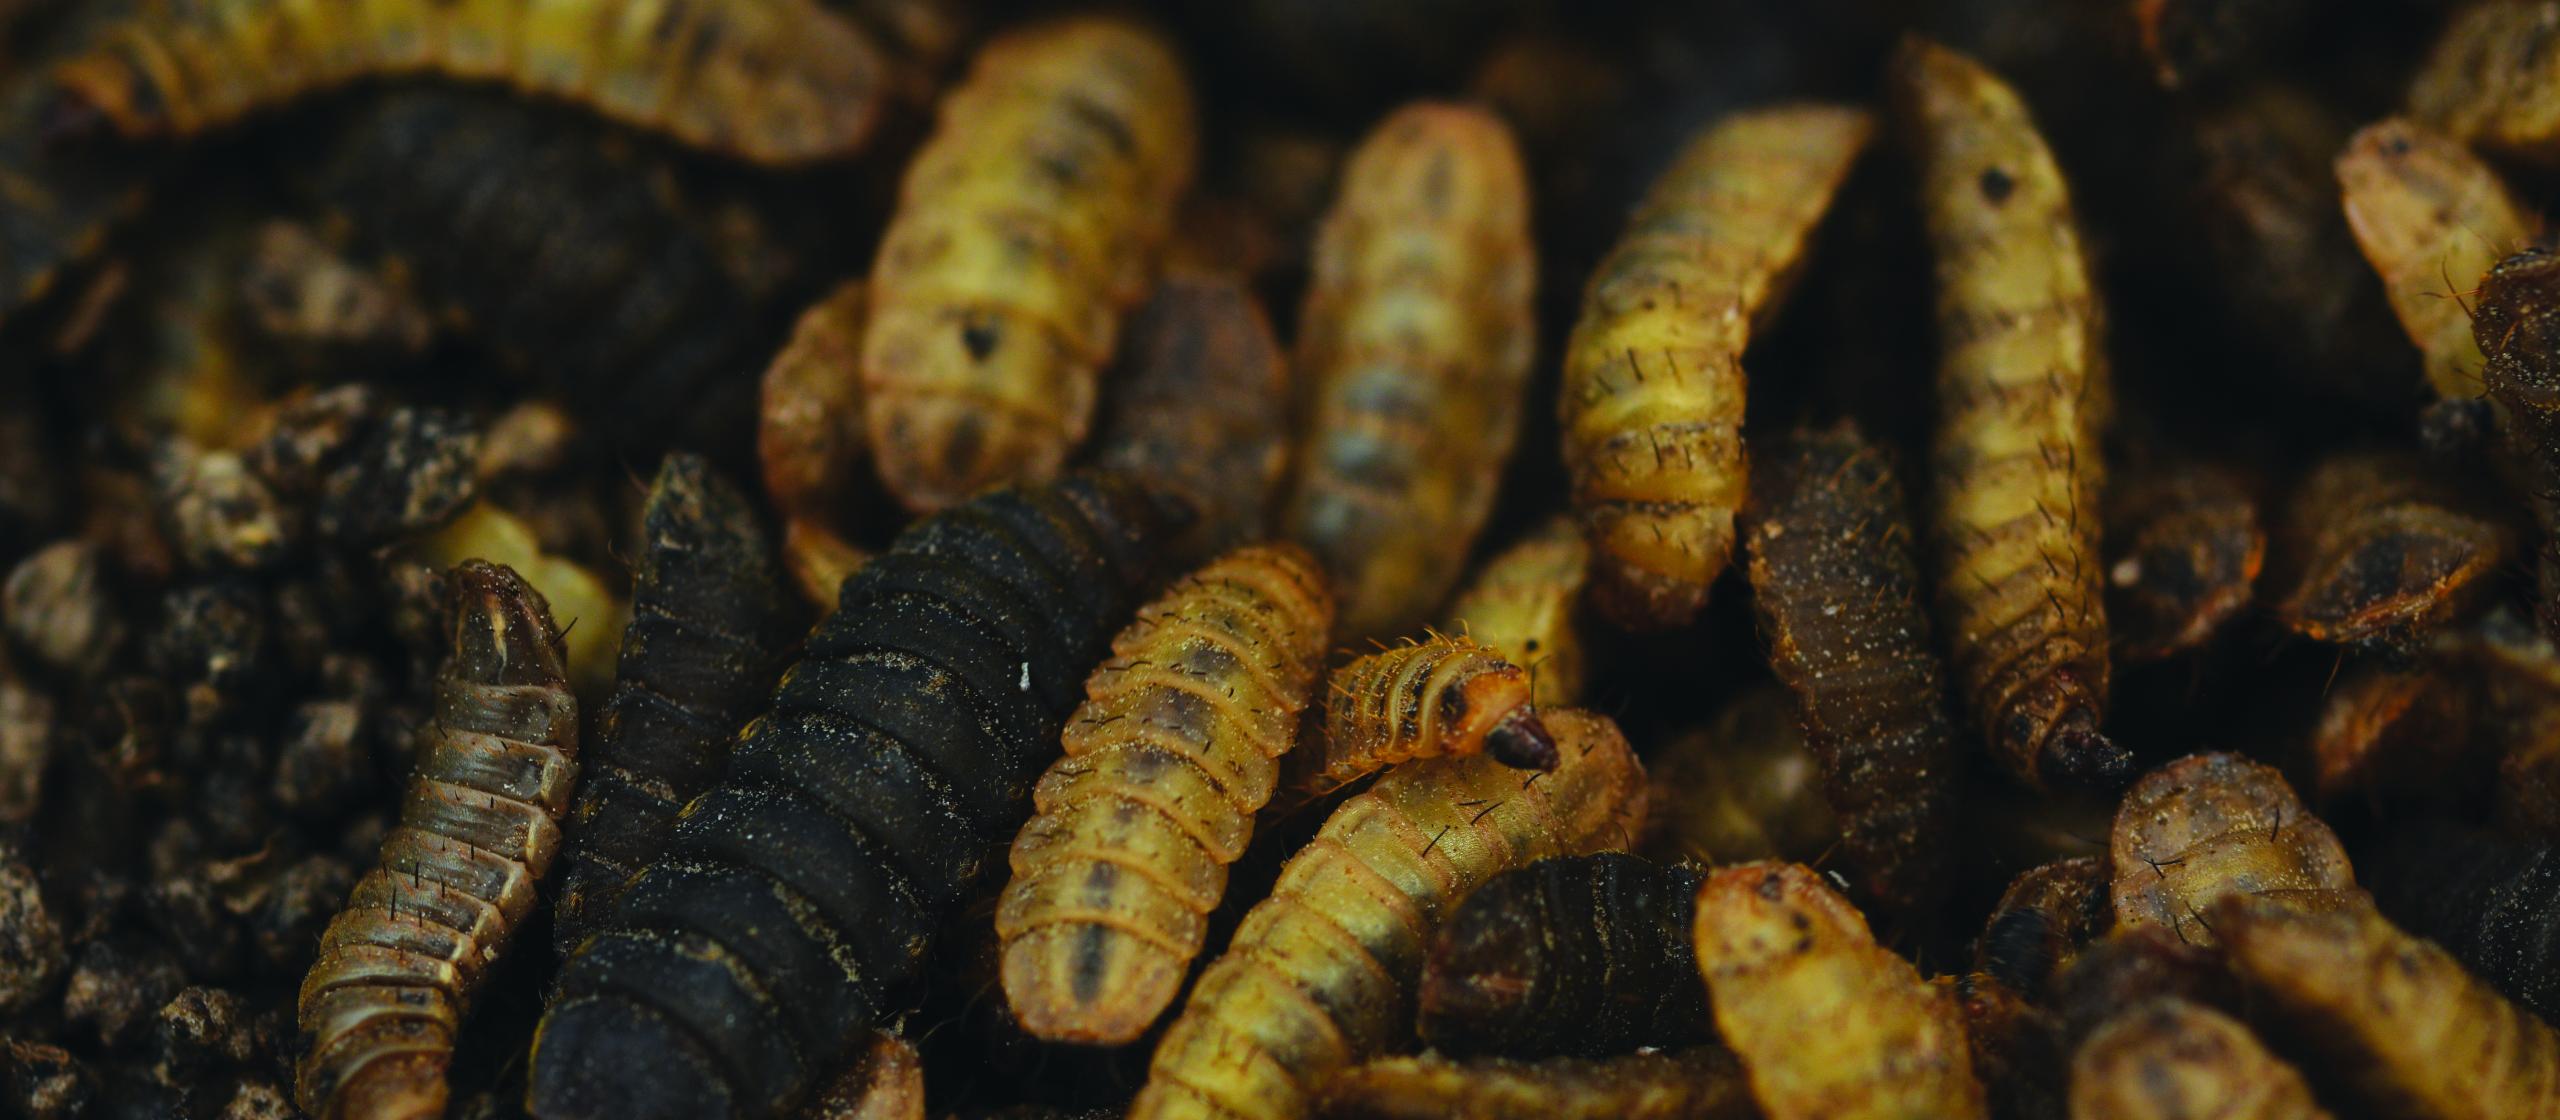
(502, 629)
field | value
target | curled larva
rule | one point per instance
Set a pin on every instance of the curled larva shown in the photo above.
(2379, 550)
(2431, 217)
(2211, 825)
(1838, 595)
(1525, 603)
(399, 965)
(1444, 696)
(1695, 1084)
(1413, 353)
(2022, 397)
(707, 632)
(1026, 225)
(1175, 749)
(1199, 405)
(1828, 1023)
(2398, 1017)
(1580, 955)
(794, 901)
(774, 81)
(1320, 974)
(1652, 398)
(2168, 1059)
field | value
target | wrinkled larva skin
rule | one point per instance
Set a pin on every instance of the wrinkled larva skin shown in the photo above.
(1526, 604)
(1838, 596)
(1413, 353)
(1696, 1084)
(1445, 696)
(798, 896)
(399, 966)
(2486, 83)
(2169, 1059)
(1199, 405)
(2022, 398)
(772, 81)
(1578, 955)
(2379, 550)
(2431, 217)
(1026, 227)
(1827, 1022)
(2211, 825)
(1321, 974)
(1652, 397)
(1175, 749)
(707, 633)
(2401, 1020)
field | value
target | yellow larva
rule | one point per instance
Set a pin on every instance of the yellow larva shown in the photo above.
(1525, 604)
(1026, 226)
(1321, 973)
(2022, 396)
(2431, 217)
(1653, 385)
(1176, 748)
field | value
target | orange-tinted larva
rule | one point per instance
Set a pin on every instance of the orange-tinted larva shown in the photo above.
(1652, 397)
(2022, 397)
(1526, 603)
(1445, 696)
(1177, 746)
(398, 967)
(2377, 549)
(1413, 353)
(1199, 405)
(809, 440)
(1321, 973)
(2487, 82)
(1025, 227)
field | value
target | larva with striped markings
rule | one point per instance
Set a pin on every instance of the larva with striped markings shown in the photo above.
(1177, 746)
(707, 632)
(794, 901)
(399, 965)
(1321, 973)
(2022, 397)
(1413, 353)
(1026, 226)
(1576, 955)
(1838, 595)
(1526, 603)
(1652, 398)
(1445, 696)
(772, 81)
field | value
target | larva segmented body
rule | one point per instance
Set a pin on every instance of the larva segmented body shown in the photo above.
(1525, 603)
(1838, 596)
(707, 632)
(1697, 1084)
(399, 965)
(1321, 973)
(794, 898)
(1828, 1023)
(1652, 397)
(2494, 902)
(2398, 1016)
(1025, 227)
(2431, 217)
(1445, 696)
(2022, 397)
(2169, 1059)
(1413, 353)
(1577, 955)
(773, 81)
(2378, 549)
(1177, 746)
(2210, 825)
(1200, 404)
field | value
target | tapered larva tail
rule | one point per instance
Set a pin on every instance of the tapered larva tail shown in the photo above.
(1653, 385)
(399, 966)
(1176, 748)
(773, 81)
(1413, 353)
(1321, 973)
(1445, 696)
(1026, 226)
(2022, 397)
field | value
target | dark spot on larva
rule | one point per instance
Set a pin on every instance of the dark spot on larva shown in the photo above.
(1103, 121)
(979, 337)
(1092, 941)
(1453, 706)
(1772, 886)
(960, 453)
(1099, 881)
(1996, 185)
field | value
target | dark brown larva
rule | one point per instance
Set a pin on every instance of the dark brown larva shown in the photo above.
(707, 632)
(2377, 550)
(1199, 404)
(2489, 899)
(1838, 596)
(2184, 548)
(399, 966)
(2516, 320)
